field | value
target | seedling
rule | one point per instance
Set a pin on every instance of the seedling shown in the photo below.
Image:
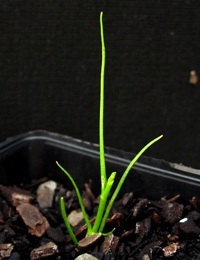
(105, 203)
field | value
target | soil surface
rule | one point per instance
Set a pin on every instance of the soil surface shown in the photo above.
(31, 226)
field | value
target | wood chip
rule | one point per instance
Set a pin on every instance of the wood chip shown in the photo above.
(15, 196)
(33, 219)
(171, 249)
(110, 244)
(172, 212)
(48, 249)
(88, 241)
(5, 250)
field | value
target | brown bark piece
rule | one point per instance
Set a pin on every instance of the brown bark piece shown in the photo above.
(5, 250)
(48, 249)
(86, 242)
(33, 219)
(172, 212)
(171, 249)
(110, 244)
(15, 196)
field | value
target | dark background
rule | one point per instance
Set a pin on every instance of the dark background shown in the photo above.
(50, 58)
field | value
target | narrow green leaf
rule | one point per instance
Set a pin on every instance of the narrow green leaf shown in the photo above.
(103, 202)
(121, 182)
(67, 224)
(85, 216)
(101, 109)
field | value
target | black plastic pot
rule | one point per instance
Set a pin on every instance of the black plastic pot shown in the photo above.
(33, 155)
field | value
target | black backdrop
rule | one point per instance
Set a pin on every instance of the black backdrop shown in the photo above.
(50, 63)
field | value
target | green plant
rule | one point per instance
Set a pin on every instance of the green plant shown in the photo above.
(105, 204)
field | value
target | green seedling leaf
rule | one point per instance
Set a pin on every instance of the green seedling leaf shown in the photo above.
(105, 206)
(103, 202)
(101, 109)
(67, 224)
(85, 216)
(121, 182)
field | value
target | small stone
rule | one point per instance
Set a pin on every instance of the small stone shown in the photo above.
(45, 194)
(86, 257)
(48, 249)
(37, 224)
(5, 250)
(75, 217)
